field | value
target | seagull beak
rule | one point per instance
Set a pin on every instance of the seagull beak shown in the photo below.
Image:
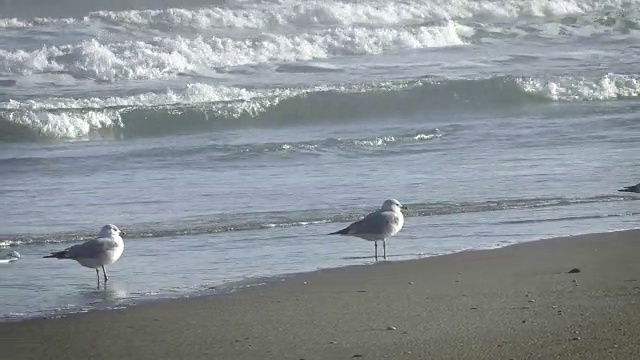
(404, 207)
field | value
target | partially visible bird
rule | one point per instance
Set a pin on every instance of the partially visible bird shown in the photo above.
(633, 188)
(10, 257)
(378, 225)
(96, 253)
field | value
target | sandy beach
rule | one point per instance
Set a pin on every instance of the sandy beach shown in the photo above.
(517, 302)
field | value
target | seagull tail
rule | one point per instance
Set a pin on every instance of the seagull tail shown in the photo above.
(626, 190)
(58, 255)
(344, 231)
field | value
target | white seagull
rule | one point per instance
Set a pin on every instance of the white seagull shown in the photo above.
(11, 257)
(378, 225)
(96, 253)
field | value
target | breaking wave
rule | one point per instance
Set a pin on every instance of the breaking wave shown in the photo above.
(202, 107)
(270, 14)
(162, 57)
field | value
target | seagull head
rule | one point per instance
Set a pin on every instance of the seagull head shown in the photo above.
(393, 204)
(13, 255)
(110, 230)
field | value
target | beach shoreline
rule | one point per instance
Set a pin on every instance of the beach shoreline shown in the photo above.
(519, 301)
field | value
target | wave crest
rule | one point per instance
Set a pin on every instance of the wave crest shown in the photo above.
(201, 107)
(165, 57)
(271, 14)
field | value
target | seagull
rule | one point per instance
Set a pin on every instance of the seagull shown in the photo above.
(378, 225)
(96, 253)
(634, 188)
(11, 257)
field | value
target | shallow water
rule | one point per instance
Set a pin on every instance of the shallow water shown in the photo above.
(227, 139)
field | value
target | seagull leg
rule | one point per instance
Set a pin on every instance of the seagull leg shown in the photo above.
(105, 274)
(375, 244)
(384, 248)
(98, 275)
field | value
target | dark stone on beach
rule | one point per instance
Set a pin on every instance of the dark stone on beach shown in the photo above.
(573, 271)
(357, 356)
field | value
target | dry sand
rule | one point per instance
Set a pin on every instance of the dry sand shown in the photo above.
(517, 302)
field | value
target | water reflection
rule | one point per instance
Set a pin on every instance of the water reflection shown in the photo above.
(105, 293)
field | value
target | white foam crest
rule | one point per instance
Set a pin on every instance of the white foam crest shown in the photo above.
(265, 15)
(607, 87)
(379, 141)
(384, 140)
(66, 124)
(197, 93)
(191, 94)
(15, 23)
(166, 57)
(308, 46)
(79, 118)
(284, 13)
(27, 62)
(426, 136)
(200, 19)
(9, 243)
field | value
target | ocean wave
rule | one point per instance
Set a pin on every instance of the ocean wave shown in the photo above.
(194, 108)
(165, 57)
(267, 220)
(201, 107)
(566, 88)
(284, 32)
(272, 14)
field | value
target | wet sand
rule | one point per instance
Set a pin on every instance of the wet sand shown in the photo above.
(517, 302)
